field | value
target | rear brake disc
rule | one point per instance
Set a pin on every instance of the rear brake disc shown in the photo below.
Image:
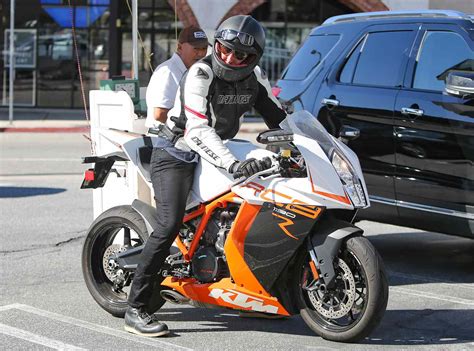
(110, 267)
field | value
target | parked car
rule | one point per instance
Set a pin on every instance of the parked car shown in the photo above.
(403, 83)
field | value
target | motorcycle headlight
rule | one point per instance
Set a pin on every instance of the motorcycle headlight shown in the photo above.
(350, 181)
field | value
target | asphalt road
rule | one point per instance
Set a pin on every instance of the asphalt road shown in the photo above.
(44, 303)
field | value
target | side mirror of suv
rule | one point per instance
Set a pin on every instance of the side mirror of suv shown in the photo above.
(460, 83)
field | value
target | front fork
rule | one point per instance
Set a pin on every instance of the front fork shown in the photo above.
(316, 282)
(323, 247)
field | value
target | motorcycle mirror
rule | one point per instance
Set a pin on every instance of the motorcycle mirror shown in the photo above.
(275, 136)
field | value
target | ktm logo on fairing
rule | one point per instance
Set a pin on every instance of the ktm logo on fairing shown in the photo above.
(242, 300)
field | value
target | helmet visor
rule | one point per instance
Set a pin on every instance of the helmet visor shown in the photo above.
(230, 34)
(239, 55)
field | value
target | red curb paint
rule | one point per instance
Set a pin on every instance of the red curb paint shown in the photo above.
(46, 130)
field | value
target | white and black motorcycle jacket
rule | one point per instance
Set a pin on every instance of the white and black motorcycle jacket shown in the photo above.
(208, 110)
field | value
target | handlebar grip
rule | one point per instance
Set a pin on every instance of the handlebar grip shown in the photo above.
(267, 161)
(237, 175)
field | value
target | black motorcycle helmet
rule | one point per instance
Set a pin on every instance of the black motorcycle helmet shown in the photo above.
(246, 38)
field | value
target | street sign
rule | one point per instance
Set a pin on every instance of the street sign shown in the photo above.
(25, 48)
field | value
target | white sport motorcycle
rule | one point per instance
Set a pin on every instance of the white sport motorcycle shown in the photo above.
(280, 242)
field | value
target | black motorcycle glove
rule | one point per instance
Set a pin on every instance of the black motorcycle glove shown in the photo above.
(249, 167)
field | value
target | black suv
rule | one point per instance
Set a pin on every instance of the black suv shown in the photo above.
(399, 87)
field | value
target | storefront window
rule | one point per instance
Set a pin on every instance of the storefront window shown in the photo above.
(53, 81)
(287, 23)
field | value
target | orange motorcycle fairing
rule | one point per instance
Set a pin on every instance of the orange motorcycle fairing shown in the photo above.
(226, 293)
(243, 291)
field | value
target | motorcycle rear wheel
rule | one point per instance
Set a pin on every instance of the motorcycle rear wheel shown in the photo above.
(354, 306)
(115, 230)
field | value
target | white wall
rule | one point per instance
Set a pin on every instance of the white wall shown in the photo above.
(396, 5)
(466, 6)
(210, 12)
(459, 5)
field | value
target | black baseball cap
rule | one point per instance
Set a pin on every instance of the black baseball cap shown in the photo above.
(194, 36)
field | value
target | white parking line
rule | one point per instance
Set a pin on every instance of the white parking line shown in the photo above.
(36, 339)
(95, 327)
(430, 280)
(433, 296)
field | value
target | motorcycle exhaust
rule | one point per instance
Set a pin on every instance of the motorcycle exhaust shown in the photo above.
(174, 297)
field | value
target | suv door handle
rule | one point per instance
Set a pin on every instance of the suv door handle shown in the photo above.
(349, 132)
(330, 102)
(412, 111)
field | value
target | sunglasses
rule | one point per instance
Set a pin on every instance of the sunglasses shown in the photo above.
(230, 34)
(239, 55)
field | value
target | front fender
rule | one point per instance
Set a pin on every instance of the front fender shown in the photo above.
(325, 241)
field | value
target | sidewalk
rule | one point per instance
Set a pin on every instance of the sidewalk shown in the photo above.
(73, 121)
(44, 126)
(34, 126)
(43, 120)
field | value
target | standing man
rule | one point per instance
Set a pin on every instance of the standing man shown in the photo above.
(210, 104)
(161, 91)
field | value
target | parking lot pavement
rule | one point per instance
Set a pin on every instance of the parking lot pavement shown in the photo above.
(45, 303)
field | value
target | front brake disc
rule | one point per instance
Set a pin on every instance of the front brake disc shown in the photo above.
(323, 301)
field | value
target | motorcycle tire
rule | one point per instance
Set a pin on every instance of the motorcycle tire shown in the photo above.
(355, 305)
(101, 240)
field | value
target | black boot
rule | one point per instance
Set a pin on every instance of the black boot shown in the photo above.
(144, 324)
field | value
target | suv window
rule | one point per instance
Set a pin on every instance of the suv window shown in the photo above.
(440, 52)
(379, 60)
(314, 50)
(347, 73)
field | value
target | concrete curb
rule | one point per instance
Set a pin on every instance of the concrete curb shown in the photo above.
(45, 130)
(44, 126)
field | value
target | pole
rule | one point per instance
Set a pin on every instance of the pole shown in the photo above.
(115, 40)
(135, 38)
(12, 61)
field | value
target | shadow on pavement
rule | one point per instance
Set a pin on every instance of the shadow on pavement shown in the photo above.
(423, 257)
(15, 191)
(223, 320)
(423, 327)
(398, 327)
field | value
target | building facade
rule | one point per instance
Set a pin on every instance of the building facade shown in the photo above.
(47, 73)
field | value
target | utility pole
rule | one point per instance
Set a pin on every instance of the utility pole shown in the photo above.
(12, 59)
(135, 38)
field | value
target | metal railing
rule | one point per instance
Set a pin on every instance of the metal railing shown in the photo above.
(274, 61)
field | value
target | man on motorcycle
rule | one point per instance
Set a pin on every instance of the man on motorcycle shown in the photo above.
(209, 108)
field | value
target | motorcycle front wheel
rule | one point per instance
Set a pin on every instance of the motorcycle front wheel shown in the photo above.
(350, 309)
(116, 230)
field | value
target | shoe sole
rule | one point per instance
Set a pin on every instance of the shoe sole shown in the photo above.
(150, 335)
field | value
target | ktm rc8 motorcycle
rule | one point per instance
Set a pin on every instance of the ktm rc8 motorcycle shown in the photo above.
(279, 242)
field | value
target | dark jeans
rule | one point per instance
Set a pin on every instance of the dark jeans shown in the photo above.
(172, 180)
